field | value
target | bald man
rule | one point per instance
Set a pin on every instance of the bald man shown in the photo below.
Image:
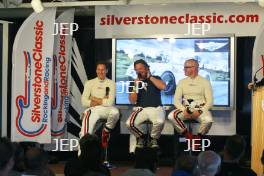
(193, 99)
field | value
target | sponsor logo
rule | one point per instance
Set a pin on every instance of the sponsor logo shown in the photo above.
(38, 84)
(60, 99)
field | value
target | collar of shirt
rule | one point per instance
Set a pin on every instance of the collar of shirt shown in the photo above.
(100, 80)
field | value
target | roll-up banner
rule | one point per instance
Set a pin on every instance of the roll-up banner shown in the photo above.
(61, 74)
(32, 78)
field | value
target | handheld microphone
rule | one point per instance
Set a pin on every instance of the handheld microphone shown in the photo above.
(255, 78)
(107, 90)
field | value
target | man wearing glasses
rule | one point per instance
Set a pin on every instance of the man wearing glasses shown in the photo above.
(193, 99)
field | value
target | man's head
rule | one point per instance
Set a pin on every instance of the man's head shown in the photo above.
(208, 163)
(234, 148)
(6, 155)
(101, 70)
(191, 68)
(186, 163)
(91, 149)
(146, 158)
(36, 159)
(142, 68)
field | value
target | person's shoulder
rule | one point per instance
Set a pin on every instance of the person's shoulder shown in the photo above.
(203, 79)
(133, 171)
(247, 171)
(90, 81)
(110, 81)
(235, 170)
(156, 76)
(186, 79)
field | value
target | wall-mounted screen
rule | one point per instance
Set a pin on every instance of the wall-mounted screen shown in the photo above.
(166, 58)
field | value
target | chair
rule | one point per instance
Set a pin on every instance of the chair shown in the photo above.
(189, 124)
(177, 147)
(148, 128)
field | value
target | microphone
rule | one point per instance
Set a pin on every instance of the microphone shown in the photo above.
(255, 78)
(107, 90)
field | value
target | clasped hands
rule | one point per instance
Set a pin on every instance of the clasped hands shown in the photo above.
(193, 115)
(97, 101)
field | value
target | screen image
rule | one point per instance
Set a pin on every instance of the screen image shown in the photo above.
(166, 59)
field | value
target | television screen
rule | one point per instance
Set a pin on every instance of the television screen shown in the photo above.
(166, 59)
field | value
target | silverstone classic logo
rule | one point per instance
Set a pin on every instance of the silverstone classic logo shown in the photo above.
(36, 84)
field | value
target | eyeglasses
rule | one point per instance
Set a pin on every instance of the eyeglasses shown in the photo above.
(185, 67)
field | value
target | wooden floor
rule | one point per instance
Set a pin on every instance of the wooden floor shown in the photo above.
(119, 169)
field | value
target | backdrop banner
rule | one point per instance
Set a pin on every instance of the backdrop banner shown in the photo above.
(182, 19)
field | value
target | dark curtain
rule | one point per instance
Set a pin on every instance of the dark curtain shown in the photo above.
(243, 75)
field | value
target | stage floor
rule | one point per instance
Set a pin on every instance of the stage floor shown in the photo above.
(119, 169)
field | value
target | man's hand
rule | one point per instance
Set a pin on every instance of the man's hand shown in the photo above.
(195, 114)
(96, 101)
(187, 115)
(250, 85)
(149, 74)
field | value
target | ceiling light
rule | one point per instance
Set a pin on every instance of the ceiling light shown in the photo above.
(261, 3)
(37, 6)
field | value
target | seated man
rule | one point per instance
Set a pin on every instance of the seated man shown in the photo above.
(99, 96)
(193, 98)
(148, 104)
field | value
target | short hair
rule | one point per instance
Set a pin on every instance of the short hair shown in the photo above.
(146, 158)
(193, 60)
(35, 158)
(208, 162)
(6, 152)
(19, 155)
(141, 61)
(235, 147)
(186, 163)
(101, 63)
(91, 149)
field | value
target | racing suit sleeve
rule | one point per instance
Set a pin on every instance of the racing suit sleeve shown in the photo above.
(208, 94)
(178, 97)
(86, 94)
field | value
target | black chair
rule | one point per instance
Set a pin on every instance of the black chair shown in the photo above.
(148, 125)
